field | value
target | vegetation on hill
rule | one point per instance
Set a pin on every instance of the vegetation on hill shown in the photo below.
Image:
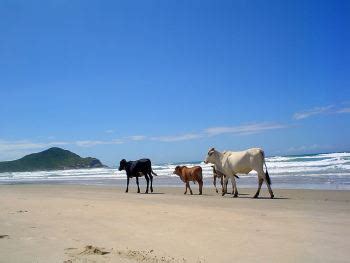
(52, 159)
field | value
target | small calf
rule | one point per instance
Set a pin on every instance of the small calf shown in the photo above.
(218, 174)
(190, 174)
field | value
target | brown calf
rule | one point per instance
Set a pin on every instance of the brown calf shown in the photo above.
(190, 174)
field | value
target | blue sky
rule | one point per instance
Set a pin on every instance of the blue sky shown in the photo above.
(169, 79)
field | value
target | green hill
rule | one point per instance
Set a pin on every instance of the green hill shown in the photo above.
(52, 159)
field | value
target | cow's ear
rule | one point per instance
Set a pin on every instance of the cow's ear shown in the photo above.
(211, 150)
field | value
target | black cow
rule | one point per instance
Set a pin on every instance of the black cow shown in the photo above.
(136, 169)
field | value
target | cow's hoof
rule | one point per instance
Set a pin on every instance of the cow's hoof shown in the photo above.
(272, 196)
(235, 196)
(200, 193)
(146, 192)
(185, 193)
(255, 196)
(217, 191)
(222, 194)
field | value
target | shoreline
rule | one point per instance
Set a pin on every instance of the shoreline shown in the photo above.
(57, 223)
(173, 182)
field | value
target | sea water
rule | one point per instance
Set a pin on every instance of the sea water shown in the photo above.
(316, 171)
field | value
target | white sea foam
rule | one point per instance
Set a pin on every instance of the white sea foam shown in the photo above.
(323, 169)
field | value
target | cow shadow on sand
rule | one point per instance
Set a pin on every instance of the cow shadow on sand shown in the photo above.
(248, 196)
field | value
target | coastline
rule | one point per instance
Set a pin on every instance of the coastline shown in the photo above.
(56, 223)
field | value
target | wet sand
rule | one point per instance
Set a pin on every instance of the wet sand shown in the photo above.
(62, 223)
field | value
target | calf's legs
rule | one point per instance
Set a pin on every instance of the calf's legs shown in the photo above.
(234, 186)
(214, 183)
(222, 184)
(224, 187)
(188, 186)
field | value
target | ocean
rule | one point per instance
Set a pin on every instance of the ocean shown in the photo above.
(315, 171)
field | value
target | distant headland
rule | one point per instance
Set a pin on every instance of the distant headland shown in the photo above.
(51, 159)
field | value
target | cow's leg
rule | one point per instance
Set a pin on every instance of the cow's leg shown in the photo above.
(189, 187)
(137, 182)
(200, 182)
(147, 180)
(261, 180)
(225, 186)
(234, 186)
(186, 188)
(214, 183)
(127, 184)
(151, 178)
(269, 187)
(222, 184)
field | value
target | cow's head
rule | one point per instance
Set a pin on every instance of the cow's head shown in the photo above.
(212, 156)
(177, 170)
(122, 165)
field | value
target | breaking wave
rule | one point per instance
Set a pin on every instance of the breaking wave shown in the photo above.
(327, 171)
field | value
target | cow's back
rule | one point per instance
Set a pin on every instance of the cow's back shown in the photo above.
(244, 161)
(193, 173)
(142, 165)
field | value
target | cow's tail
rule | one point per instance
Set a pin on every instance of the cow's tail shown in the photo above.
(268, 180)
(201, 175)
(153, 172)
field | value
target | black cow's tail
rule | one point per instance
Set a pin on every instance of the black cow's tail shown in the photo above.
(268, 180)
(153, 172)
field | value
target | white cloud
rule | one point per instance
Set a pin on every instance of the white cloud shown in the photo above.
(176, 138)
(244, 129)
(9, 149)
(311, 112)
(308, 148)
(215, 131)
(15, 149)
(331, 109)
(26, 145)
(344, 110)
(109, 131)
(137, 137)
(88, 143)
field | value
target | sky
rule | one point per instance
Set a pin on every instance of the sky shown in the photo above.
(169, 79)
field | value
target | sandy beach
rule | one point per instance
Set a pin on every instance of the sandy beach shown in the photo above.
(62, 223)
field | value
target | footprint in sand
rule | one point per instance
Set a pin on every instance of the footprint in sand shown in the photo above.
(4, 236)
(147, 256)
(135, 255)
(91, 250)
(88, 250)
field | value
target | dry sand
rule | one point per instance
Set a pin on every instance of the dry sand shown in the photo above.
(47, 223)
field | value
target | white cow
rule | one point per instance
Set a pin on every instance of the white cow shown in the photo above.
(232, 163)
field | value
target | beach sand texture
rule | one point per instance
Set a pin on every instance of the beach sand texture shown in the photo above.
(48, 223)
